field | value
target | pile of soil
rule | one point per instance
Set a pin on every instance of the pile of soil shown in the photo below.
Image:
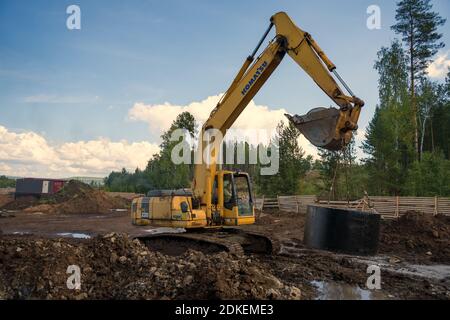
(116, 267)
(74, 197)
(280, 224)
(20, 203)
(417, 237)
(5, 199)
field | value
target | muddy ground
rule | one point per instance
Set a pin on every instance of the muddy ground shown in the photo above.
(36, 248)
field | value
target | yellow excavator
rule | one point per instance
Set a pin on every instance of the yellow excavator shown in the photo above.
(220, 198)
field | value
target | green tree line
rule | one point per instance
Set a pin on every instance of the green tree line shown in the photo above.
(6, 182)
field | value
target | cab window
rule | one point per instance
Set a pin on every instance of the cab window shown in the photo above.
(215, 197)
(144, 207)
(243, 195)
(228, 196)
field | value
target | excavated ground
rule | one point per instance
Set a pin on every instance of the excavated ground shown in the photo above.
(414, 256)
(36, 249)
(114, 266)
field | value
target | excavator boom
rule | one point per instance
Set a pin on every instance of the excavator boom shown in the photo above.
(327, 128)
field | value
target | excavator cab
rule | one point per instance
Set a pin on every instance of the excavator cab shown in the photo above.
(232, 199)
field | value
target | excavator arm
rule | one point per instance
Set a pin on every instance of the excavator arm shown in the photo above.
(327, 128)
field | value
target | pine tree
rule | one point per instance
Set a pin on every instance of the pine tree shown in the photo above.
(437, 137)
(418, 25)
(292, 164)
(447, 84)
(389, 139)
(161, 172)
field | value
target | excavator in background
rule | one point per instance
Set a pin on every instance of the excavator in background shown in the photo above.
(220, 199)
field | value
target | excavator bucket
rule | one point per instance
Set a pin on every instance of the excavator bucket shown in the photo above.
(319, 127)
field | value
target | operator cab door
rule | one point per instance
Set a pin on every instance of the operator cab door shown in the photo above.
(237, 199)
(243, 194)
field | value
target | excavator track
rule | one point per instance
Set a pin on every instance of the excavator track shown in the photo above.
(232, 240)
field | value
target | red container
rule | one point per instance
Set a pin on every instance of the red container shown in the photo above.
(57, 185)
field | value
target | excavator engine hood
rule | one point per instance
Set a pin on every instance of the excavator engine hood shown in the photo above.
(319, 126)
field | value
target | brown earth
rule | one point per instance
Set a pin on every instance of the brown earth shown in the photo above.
(413, 239)
(115, 267)
(38, 268)
(417, 237)
(5, 199)
(20, 203)
(74, 197)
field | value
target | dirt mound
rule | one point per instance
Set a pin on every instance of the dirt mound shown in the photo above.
(116, 267)
(5, 199)
(417, 236)
(78, 197)
(74, 197)
(20, 203)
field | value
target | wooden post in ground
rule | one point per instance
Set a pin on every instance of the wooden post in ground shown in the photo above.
(397, 207)
(436, 206)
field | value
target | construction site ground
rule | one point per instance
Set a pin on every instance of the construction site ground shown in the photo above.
(37, 247)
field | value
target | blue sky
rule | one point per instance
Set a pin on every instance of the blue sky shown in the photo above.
(79, 85)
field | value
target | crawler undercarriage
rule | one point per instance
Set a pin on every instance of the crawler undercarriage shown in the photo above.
(232, 240)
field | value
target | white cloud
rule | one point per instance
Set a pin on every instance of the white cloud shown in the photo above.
(159, 117)
(439, 67)
(24, 147)
(30, 154)
(4, 167)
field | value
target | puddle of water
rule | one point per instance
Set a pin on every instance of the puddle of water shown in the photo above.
(342, 291)
(165, 230)
(74, 235)
(438, 272)
(21, 233)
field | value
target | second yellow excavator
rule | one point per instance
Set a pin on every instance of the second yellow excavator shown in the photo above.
(208, 204)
